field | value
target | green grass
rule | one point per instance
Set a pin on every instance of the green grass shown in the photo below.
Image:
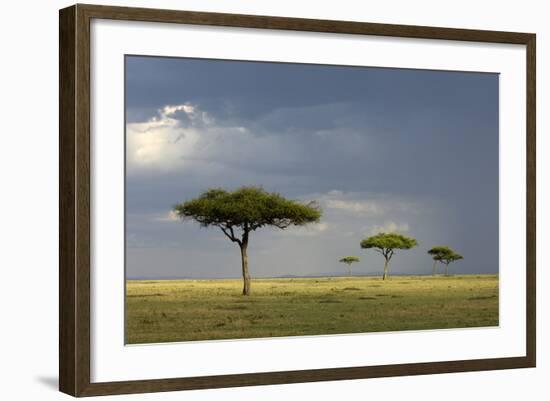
(184, 310)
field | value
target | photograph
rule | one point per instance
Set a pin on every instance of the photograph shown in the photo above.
(273, 199)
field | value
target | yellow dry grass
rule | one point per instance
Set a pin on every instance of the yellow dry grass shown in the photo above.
(185, 310)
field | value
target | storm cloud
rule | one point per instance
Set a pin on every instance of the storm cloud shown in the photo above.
(411, 151)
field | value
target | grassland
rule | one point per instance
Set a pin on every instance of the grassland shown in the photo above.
(183, 310)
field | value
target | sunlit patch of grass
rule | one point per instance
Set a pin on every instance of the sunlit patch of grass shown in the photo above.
(186, 310)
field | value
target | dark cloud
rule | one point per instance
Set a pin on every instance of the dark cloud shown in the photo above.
(350, 137)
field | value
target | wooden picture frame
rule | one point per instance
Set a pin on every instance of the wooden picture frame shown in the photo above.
(74, 200)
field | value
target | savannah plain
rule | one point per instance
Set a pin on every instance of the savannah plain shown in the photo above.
(190, 310)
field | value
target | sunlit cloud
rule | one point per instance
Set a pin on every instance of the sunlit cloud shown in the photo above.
(183, 137)
(166, 217)
(363, 204)
(390, 227)
(357, 207)
(308, 231)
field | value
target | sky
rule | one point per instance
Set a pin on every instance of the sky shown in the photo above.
(380, 150)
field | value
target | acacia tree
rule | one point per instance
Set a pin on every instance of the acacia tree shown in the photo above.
(453, 257)
(244, 210)
(445, 255)
(437, 253)
(348, 260)
(386, 244)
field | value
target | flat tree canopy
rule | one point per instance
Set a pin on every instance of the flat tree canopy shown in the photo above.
(445, 255)
(437, 253)
(451, 258)
(349, 259)
(386, 243)
(440, 250)
(246, 209)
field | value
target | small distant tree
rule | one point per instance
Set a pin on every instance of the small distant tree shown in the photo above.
(449, 259)
(386, 244)
(244, 210)
(444, 255)
(349, 260)
(437, 252)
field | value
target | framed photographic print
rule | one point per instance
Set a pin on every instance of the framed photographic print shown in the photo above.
(250, 200)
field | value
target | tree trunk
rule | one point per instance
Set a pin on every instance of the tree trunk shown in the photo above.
(434, 269)
(349, 270)
(246, 275)
(446, 269)
(385, 269)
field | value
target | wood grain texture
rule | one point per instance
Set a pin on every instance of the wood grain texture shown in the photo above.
(301, 376)
(531, 229)
(300, 24)
(82, 195)
(67, 293)
(74, 199)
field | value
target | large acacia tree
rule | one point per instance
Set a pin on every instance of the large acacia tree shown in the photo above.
(244, 210)
(445, 255)
(349, 260)
(386, 244)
